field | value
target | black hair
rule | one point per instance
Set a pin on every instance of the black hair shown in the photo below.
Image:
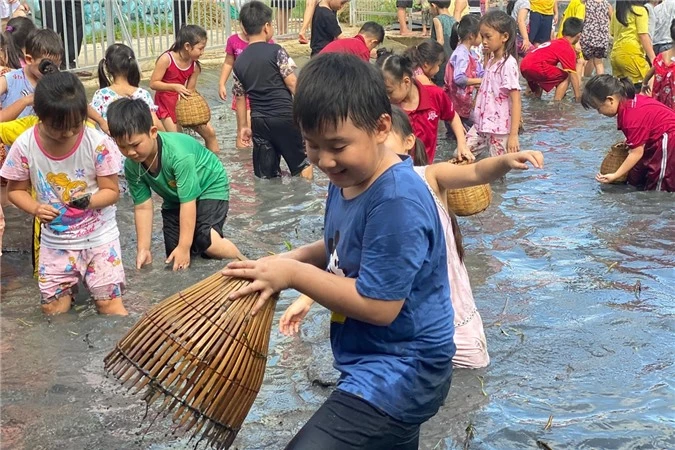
(572, 27)
(439, 4)
(398, 66)
(373, 29)
(20, 28)
(188, 34)
(672, 30)
(60, 100)
(502, 23)
(600, 87)
(119, 60)
(43, 43)
(468, 26)
(400, 124)
(129, 116)
(334, 87)
(623, 7)
(254, 15)
(509, 6)
(13, 57)
(426, 52)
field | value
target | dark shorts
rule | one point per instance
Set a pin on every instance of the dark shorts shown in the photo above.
(404, 3)
(540, 28)
(346, 422)
(211, 215)
(274, 138)
(660, 48)
(594, 52)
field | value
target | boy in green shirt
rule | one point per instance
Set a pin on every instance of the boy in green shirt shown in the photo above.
(190, 178)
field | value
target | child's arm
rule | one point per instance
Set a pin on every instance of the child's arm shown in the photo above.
(555, 12)
(522, 27)
(187, 223)
(156, 82)
(512, 144)
(289, 324)
(645, 83)
(286, 69)
(439, 30)
(192, 81)
(459, 74)
(13, 111)
(460, 6)
(634, 155)
(18, 193)
(108, 192)
(310, 7)
(94, 115)
(290, 82)
(224, 75)
(462, 151)
(158, 123)
(143, 219)
(646, 42)
(452, 176)
(243, 129)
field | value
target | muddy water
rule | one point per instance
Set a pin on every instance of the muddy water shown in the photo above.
(554, 262)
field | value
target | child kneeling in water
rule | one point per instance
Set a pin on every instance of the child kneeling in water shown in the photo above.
(380, 268)
(469, 334)
(73, 169)
(649, 127)
(190, 178)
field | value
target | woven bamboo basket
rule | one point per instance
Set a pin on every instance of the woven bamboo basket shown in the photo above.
(198, 356)
(470, 200)
(615, 157)
(192, 111)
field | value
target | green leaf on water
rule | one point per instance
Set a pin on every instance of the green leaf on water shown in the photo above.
(482, 385)
(288, 245)
(549, 424)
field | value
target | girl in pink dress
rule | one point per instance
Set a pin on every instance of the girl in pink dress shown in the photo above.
(663, 71)
(175, 75)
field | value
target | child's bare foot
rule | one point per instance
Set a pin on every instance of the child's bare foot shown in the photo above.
(112, 307)
(59, 306)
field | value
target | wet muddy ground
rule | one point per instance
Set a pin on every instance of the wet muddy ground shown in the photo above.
(575, 283)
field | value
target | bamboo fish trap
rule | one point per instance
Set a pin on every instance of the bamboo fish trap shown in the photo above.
(615, 157)
(200, 356)
(192, 111)
(470, 200)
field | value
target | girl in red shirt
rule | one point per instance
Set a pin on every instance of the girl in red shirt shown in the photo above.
(425, 105)
(649, 127)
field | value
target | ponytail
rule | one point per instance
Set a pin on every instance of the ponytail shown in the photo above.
(397, 66)
(600, 87)
(468, 26)
(457, 234)
(454, 36)
(428, 52)
(419, 153)
(509, 7)
(103, 80)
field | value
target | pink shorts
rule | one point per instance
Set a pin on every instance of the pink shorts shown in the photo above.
(234, 103)
(483, 145)
(100, 267)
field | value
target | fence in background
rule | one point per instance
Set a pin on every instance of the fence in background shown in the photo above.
(88, 27)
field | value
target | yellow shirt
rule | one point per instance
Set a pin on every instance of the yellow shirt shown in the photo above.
(542, 6)
(11, 130)
(574, 9)
(626, 38)
(451, 9)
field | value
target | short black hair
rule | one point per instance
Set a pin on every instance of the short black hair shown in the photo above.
(44, 42)
(60, 100)
(442, 5)
(334, 87)
(572, 27)
(373, 29)
(254, 15)
(128, 116)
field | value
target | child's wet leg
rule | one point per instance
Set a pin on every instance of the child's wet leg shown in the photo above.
(561, 89)
(58, 306)
(222, 248)
(209, 134)
(111, 307)
(169, 125)
(599, 66)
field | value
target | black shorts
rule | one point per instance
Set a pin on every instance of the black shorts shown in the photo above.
(211, 215)
(274, 138)
(347, 422)
(404, 3)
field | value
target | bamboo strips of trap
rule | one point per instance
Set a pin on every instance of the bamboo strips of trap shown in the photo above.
(202, 355)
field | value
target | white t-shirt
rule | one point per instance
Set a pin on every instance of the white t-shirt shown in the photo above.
(56, 181)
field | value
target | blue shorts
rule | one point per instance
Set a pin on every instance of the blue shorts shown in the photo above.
(540, 28)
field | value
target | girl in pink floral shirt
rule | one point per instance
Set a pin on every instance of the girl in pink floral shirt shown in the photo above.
(498, 104)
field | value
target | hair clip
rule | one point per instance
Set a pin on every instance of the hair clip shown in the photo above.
(9, 28)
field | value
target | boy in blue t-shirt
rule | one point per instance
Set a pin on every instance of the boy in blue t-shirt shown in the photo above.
(381, 267)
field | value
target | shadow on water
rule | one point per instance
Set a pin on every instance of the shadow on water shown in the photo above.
(554, 261)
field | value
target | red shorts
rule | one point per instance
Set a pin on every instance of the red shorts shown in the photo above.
(544, 76)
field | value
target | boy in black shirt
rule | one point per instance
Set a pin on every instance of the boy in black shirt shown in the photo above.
(325, 26)
(264, 73)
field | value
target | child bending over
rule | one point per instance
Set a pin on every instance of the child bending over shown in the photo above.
(362, 45)
(553, 64)
(190, 179)
(73, 169)
(380, 268)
